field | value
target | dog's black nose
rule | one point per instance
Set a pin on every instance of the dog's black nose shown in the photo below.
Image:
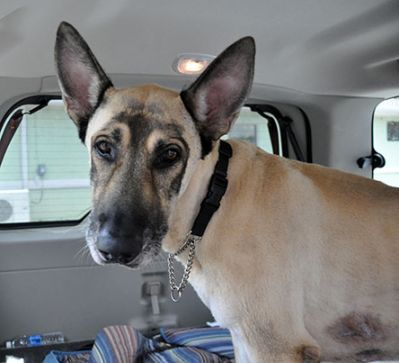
(123, 259)
(117, 249)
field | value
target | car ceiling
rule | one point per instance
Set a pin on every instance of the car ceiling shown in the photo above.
(327, 47)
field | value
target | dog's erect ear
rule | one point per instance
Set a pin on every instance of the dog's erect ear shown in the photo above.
(216, 97)
(81, 78)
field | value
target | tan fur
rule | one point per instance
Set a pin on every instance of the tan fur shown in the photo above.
(293, 249)
(150, 97)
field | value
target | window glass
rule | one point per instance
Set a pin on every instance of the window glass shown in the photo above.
(252, 127)
(44, 174)
(386, 140)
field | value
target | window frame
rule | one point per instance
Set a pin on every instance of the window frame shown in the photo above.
(379, 164)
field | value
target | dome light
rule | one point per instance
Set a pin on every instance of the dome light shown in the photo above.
(191, 64)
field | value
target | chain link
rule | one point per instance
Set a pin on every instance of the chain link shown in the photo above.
(177, 290)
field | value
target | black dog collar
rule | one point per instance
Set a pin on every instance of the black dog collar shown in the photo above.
(216, 190)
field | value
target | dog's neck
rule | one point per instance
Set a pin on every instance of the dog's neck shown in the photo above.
(188, 204)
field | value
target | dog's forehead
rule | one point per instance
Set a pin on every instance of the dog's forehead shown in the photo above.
(147, 98)
(151, 104)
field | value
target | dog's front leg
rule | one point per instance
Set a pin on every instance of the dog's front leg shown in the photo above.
(240, 348)
(265, 348)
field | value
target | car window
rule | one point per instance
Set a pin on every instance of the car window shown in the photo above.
(253, 128)
(386, 140)
(44, 174)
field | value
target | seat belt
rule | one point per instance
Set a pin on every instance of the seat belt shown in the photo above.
(286, 130)
(9, 131)
(12, 125)
(286, 122)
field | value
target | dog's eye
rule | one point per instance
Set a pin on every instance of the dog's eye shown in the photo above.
(105, 150)
(167, 157)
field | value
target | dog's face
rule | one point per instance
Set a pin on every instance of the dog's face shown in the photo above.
(144, 142)
(141, 146)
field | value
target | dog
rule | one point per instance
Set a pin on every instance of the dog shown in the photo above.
(300, 262)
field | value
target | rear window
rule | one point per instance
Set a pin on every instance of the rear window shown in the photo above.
(44, 176)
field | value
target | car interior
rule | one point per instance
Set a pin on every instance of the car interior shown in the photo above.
(326, 78)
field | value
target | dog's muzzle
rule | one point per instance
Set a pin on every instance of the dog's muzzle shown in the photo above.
(116, 241)
(124, 237)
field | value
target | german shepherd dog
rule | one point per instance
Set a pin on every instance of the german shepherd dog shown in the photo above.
(300, 262)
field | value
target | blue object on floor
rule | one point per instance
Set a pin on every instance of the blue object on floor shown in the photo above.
(124, 344)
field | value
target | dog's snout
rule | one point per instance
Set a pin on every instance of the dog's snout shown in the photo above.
(115, 248)
(123, 259)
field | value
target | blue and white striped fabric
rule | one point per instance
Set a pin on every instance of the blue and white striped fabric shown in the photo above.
(124, 344)
(121, 343)
(214, 340)
(184, 355)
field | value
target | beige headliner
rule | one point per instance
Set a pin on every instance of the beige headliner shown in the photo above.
(340, 47)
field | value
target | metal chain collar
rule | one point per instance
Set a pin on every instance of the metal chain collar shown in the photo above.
(177, 290)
